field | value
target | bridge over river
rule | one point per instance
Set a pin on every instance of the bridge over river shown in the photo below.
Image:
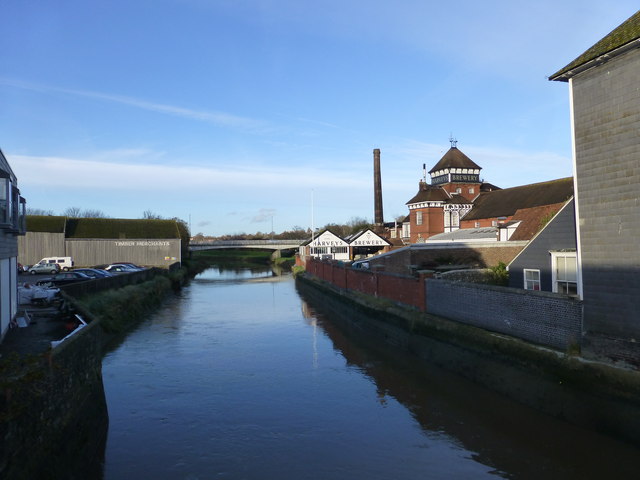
(277, 246)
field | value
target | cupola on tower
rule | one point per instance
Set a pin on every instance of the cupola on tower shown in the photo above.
(439, 206)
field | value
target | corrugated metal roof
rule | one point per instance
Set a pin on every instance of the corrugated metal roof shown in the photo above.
(465, 234)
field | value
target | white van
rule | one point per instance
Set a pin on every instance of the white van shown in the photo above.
(65, 263)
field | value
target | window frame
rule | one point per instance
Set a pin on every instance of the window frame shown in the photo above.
(525, 280)
(555, 281)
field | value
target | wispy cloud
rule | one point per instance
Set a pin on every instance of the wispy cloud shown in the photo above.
(264, 215)
(35, 171)
(216, 118)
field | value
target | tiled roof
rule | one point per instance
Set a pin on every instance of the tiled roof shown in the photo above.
(429, 193)
(622, 36)
(505, 203)
(533, 219)
(454, 158)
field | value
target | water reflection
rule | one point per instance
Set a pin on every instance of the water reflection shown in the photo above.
(516, 441)
(230, 380)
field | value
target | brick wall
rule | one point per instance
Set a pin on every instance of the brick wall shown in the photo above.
(406, 290)
(538, 317)
(542, 318)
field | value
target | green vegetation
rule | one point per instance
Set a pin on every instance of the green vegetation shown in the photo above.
(119, 309)
(121, 228)
(499, 275)
(546, 219)
(45, 223)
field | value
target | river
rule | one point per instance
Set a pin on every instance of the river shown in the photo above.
(238, 377)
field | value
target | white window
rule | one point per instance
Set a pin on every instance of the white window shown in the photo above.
(394, 233)
(564, 272)
(531, 279)
(494, 223)
(477, 224)
(418, 218)
(471, 190)
(458, 190)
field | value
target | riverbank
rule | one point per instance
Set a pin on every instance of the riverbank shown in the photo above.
(53, 416)
(593, 395)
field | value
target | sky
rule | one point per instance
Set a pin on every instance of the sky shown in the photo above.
(252, 115)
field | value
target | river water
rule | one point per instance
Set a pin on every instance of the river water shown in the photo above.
(238, 377)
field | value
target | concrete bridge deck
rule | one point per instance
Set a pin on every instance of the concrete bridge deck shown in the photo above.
(254, 244)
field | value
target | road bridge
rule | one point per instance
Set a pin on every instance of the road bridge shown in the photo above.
(277, 246)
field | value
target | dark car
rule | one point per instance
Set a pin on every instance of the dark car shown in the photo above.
(64, 278)
(93, 272)
(121, 268)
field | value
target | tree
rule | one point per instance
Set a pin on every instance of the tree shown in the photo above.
(88, 213)
(72, 212)
(39, 211)
(150, 215)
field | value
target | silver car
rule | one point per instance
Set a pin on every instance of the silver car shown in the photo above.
(51, 268)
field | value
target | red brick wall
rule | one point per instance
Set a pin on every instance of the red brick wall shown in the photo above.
(406, 290)
(432, 223)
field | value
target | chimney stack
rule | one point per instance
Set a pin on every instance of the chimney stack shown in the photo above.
(377, 192)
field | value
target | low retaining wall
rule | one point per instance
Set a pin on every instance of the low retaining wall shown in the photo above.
(539, 317)
(402, 289)
(543, 318)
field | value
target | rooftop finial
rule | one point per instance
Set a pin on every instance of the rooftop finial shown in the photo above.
(453, 141)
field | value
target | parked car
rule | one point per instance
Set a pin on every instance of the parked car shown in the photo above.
(121, 268)
(51, 268)
(132, 265)
(93, 272)
(65, 263)
(64, 278)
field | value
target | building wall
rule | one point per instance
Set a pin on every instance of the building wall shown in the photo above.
(484, 222)
(34, 246)
(606, 121)
(559, 234)
(148, 252)
(432, 223)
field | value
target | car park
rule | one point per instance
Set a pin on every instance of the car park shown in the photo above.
(93, 272)
(64, 278)
(51, 268)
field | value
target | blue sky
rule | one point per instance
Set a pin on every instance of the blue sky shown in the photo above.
(235, 114)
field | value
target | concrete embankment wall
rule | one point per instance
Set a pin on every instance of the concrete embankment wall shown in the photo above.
(593, 395)
(53, 413)
(547, 319)
(54, 417)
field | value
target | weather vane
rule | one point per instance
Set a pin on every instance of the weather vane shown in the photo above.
(453, 141)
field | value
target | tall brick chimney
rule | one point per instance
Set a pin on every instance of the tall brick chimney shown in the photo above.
(378, 219)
